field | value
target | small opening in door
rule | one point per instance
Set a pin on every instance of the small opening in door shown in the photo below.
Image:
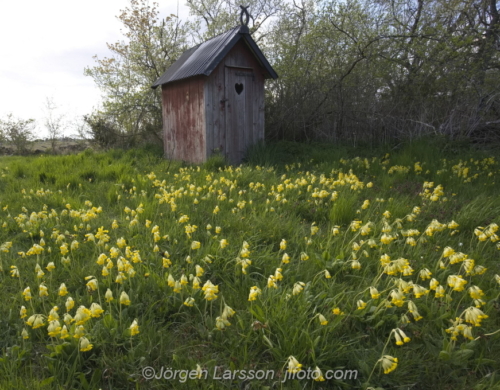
(239, 88)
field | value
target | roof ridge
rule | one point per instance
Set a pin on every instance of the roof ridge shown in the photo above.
(204, 57)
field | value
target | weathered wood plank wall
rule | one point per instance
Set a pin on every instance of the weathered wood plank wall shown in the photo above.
(184, 119)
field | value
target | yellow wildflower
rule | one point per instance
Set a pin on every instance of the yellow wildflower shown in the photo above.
(134, 328)
(322, 319)
(189, 302)
(254, 293)
(389, 363)
(85, 344)
(298, 287)
(124, 299)
(293, 365)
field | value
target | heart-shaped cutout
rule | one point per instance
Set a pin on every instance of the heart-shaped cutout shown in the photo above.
(239, 88)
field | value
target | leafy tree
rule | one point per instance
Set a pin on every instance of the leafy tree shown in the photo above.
(348, 70)
(151, 45)
(17, 131)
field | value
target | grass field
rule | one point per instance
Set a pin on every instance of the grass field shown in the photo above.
(364, 268)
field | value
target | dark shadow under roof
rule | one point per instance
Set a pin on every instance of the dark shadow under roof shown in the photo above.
(204, 58)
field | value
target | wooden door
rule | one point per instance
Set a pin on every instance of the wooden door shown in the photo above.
(240, 88)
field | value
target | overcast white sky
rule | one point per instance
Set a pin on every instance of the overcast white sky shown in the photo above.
(45, 46)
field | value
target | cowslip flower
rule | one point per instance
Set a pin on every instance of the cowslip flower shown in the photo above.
(314, 229)
(223, 243)
(23, 312)
(195, 245)
(54, 328)
(424, 274)
(27, 294)
(413, 310)
(419, 291)
(374, 293)
(355, 264)
(82, 315)
(68, 319)
(53, 314)
(124, 299)
(293, 365)
(448, 251)
(189, 302)
(474, 316)
(166, 262)
(317, 375)
(322, 319)
(14, 272)
(199, 271)
(286, 259)
(440, 292)
(298, 287)
(361, 304)
(96, 310)
(70, 303)
(85, 344)
(389, 363)
(92, 283)
(221, 322)
(210, 290)
(433, 284)
(400, 336)
(50, 267)
(271, 282)
(36, 321)
(109, 295)
(244, 252)
(62, 290)
(196, 283)
(64, 333)
(283, 244)
(475, 292)
(43, 291)
(134, 328)
(304, 256)
(228, 312)
(254, 293)
(456, 282)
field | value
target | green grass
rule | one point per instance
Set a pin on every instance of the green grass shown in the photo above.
(334, 211)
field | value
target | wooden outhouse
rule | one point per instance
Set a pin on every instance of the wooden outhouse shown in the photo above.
(213, 98)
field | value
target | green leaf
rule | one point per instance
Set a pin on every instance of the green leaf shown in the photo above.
(462, 356)
(109, 321)
(444, 355)
(47, 381)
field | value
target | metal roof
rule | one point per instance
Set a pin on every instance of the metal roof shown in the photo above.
(204, 58)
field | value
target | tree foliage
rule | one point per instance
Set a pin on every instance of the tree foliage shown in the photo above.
(150, 46)
(353, 69)
(18, 132)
